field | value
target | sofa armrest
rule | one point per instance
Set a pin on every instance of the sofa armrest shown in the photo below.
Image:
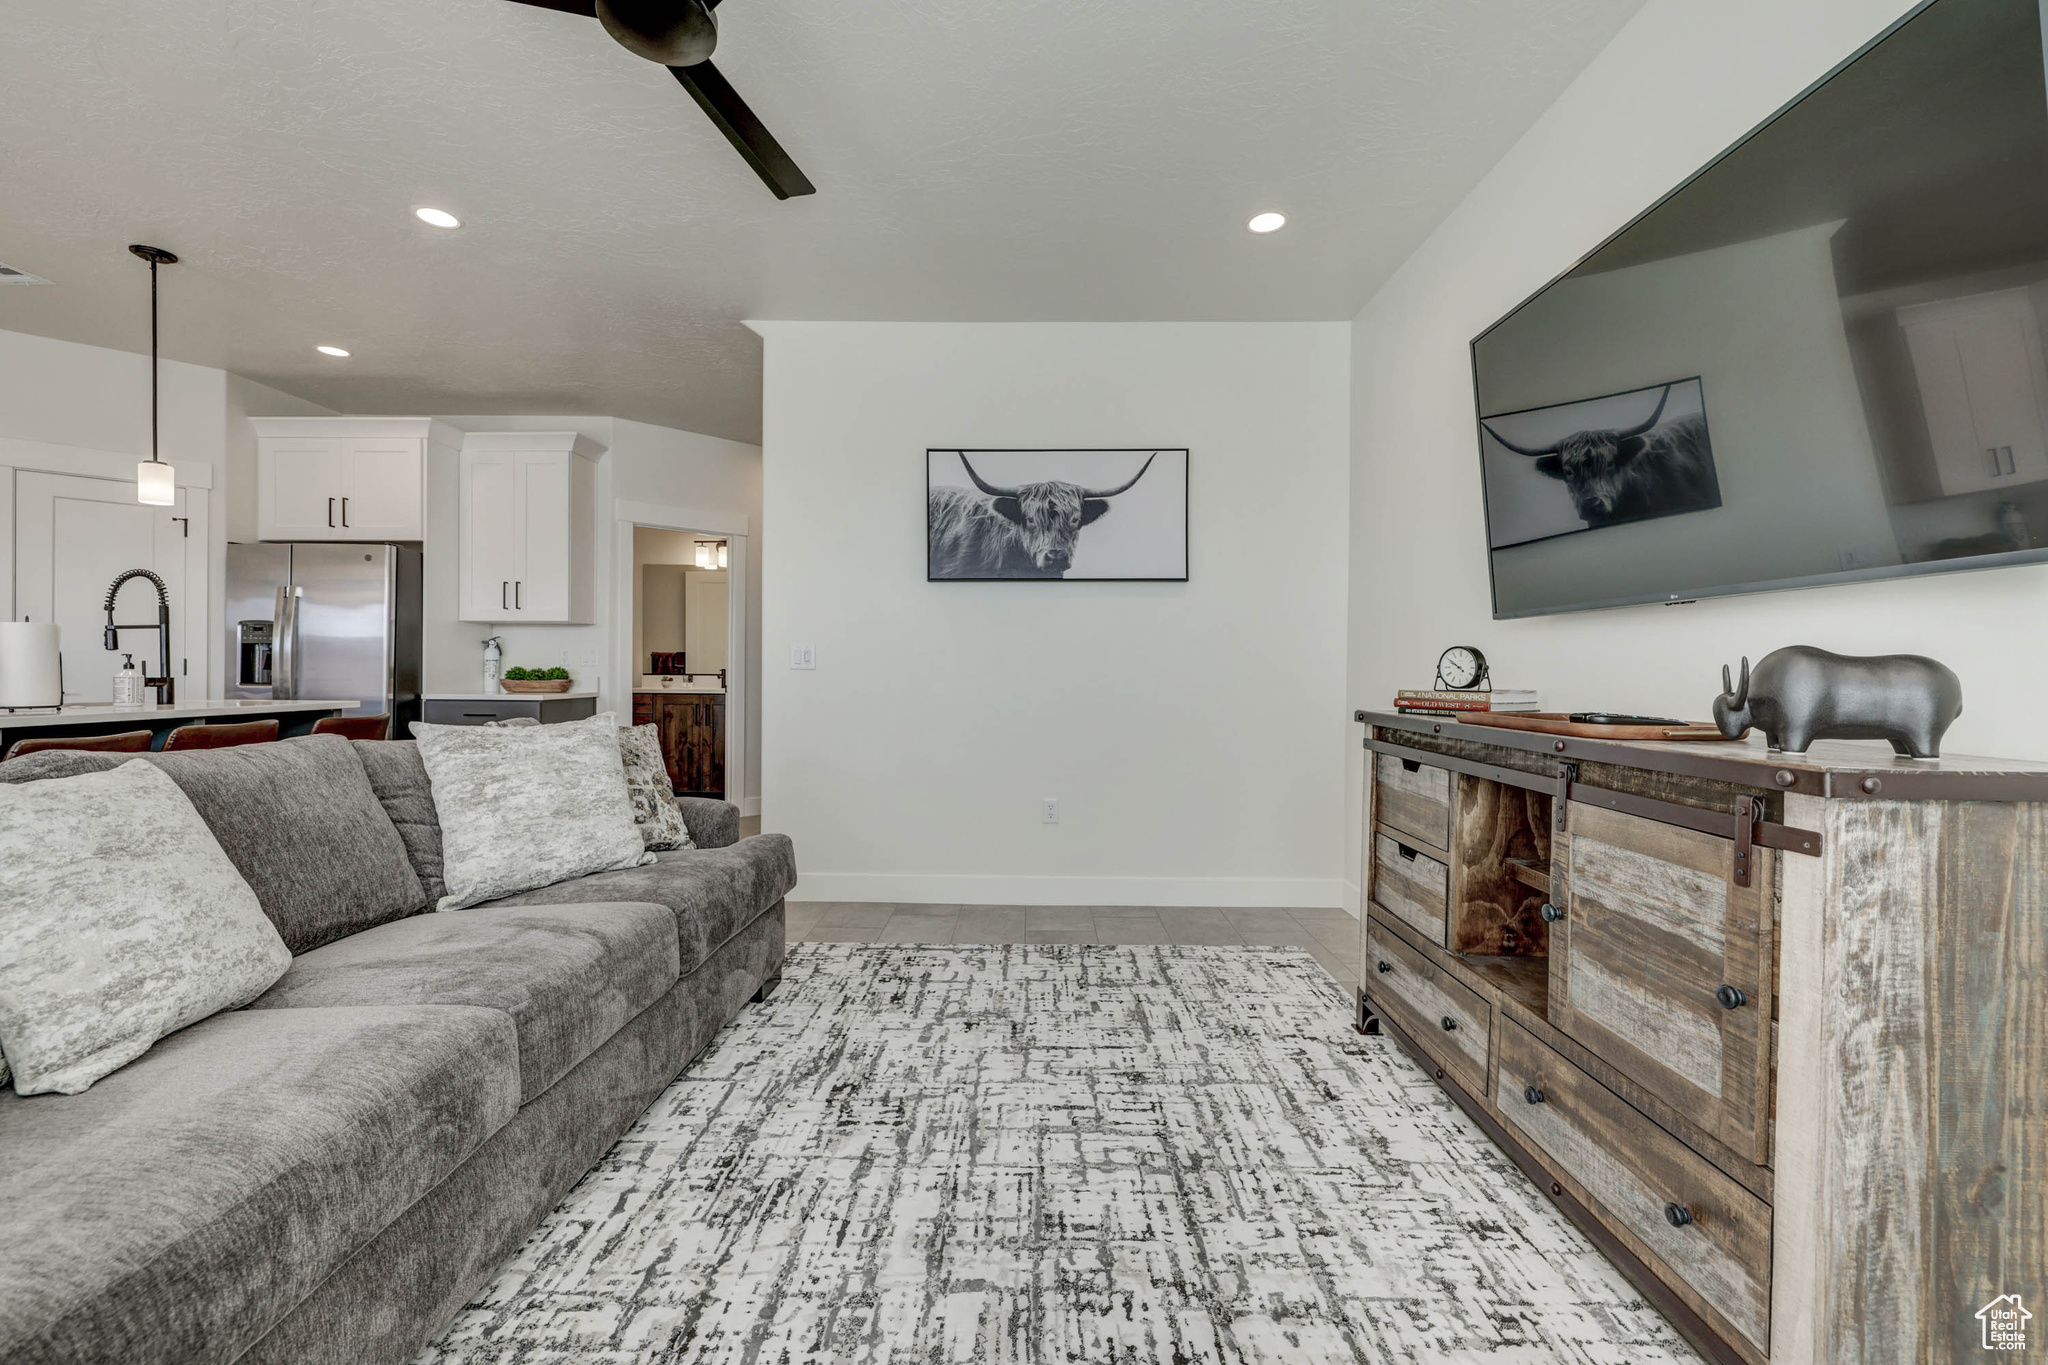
(712, 823)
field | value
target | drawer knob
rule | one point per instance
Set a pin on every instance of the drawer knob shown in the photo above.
(1532, 1095)
(1450, 1024)
(1385, 966)
(1678, 1215)
(1731, 997)
(1551, 914)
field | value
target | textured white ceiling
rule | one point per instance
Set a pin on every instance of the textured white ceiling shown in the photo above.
(975, 160)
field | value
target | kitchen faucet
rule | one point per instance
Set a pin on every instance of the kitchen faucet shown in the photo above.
(166, 687)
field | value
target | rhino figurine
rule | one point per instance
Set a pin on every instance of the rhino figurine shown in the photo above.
(1800, 694)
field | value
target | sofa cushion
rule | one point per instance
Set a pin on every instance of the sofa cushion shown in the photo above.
(713, 823)
(121, 921)
(182, 1206)
(712, 892)
(570, 976)
(400, 781)
(529, 807)
(297, 818)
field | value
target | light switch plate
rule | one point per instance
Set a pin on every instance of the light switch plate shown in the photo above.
(802, 656)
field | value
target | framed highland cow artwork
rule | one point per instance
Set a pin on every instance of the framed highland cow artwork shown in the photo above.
(1593, 462)
(1108, 515)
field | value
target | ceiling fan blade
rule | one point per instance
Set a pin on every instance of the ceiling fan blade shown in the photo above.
(716, 97)
(586, 8)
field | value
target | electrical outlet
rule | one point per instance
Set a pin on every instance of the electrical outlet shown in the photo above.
(589, 657)
(802, 656)
(1051, 814)
(565, 658)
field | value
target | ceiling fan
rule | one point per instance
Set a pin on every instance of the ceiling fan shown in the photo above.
(680, 35)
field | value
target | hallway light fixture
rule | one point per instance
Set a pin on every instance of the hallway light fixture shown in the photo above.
(440, 218)
(332, 350)
(712, 554)
(1267, 222)
(155, 482)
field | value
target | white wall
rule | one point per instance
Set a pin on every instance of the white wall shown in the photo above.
(1678, 84)
(1193, 732)
(66, 394)
(642, 463)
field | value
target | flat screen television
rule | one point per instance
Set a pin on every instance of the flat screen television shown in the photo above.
(1819, 360)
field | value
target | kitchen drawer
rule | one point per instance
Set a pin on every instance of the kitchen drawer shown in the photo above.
(1410, 885)
(1699, 1228)
(1446, 1018)
(1663, 968)
(1414, 798)
(547, 710)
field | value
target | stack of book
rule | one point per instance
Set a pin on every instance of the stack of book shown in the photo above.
(1416, 701)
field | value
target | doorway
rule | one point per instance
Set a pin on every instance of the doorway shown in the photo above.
(682, 591)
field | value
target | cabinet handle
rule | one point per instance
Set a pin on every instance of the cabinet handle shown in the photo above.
(504, 586)
(516, 586)
(344, 511)
(1411, 765)
(1450, 1024)
(1406, 852)
(1551, 914)
(1385, 966)
(1731, 997)
(330, 512)
(479, 715)
(1678, 1215)
(1531, 1095)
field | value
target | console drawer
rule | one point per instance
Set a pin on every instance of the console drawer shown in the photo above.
(1414, 798)
(1411, 886)
(1637, 1178)
(1444, 1017)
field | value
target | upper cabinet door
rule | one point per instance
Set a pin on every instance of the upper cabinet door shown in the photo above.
(1984, 388)
(299, 489)
(541, 591)
(1664, 968)
(380, 490)
(493, 536)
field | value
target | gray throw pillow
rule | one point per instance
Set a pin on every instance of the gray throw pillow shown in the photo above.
(654, 796)
(121, 921)
(527, 807)
(297, 818)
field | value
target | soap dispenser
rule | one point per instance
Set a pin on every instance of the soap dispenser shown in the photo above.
(128, 683)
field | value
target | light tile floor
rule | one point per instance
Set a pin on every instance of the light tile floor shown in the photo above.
(1332, 935)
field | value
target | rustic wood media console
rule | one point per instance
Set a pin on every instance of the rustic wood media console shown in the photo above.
(1771, 1029)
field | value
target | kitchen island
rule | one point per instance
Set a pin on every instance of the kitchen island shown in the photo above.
(100, 718)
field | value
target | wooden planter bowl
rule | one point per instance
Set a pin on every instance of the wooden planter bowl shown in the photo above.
(535, 684)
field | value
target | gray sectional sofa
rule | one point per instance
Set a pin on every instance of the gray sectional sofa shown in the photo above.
(325, 1176)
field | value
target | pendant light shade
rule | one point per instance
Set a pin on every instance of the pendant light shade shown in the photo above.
(156, 483)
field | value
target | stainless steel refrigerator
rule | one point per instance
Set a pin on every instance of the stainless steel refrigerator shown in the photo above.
(326, 622)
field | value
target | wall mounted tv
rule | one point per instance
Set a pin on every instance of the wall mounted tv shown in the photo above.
(1819, 360)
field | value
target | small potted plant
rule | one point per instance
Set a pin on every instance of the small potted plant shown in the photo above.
(535, 680)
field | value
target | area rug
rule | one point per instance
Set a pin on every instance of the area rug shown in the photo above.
(1049, 1154)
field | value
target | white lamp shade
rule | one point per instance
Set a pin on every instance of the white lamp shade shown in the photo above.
(30, 674)
(156, 484)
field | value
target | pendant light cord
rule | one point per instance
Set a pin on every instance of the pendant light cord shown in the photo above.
(152, 361)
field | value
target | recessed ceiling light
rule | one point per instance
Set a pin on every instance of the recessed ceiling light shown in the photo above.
(330, 350)
(1267, 222)
(437, 217)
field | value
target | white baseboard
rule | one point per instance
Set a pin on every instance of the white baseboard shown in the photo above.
(1352, 899)
(942, 889)
(750, 805)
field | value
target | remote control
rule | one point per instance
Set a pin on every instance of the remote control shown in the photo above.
(1609, 718)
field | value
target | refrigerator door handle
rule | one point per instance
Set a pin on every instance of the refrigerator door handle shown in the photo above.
(284, 656)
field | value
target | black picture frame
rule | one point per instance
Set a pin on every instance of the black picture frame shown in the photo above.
(982, 565)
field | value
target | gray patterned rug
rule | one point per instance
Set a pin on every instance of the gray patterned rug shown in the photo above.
(1039, 1155)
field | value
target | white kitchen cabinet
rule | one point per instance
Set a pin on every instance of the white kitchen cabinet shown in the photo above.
(527, 499)
(344, 478)
(1984, 388)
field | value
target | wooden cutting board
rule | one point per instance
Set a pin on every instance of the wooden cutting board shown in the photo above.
(1557, 723)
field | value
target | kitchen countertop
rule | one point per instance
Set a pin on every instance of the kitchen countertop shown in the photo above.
(678, 691)
(98, 713)
(505, 696)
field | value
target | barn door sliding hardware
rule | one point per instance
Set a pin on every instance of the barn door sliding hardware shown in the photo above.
(1745, 827)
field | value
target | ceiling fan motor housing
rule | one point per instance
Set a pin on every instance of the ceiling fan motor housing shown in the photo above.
(672, 32)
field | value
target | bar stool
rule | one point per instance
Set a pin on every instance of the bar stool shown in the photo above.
(127, 742)
(221, 736)
(355, 727)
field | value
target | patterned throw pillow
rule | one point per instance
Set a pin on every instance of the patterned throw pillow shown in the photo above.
(654, 797)
(121, 921)
(529, 806)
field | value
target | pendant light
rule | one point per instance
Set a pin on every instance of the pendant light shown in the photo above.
(155, 481)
